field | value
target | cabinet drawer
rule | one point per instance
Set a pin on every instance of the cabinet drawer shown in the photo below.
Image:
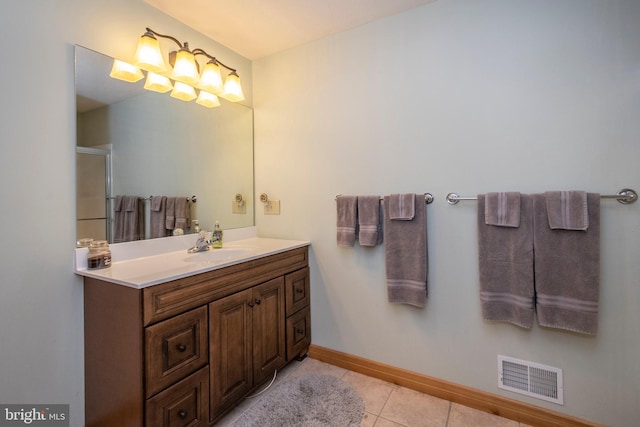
(174, 348)
(298, 333)
(184, 404)
(297, 290)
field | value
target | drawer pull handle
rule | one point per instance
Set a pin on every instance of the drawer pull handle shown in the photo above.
(300, 331)
(258, 301)
(250, 304)
(182, 347)
(299, 290)
(182, 414)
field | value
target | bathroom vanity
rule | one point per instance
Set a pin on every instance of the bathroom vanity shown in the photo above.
(173, 340)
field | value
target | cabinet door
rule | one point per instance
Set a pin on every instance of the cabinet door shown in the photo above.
(230, 346)
(268, 333)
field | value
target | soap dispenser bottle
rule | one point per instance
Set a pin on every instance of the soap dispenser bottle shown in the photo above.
(216, 240)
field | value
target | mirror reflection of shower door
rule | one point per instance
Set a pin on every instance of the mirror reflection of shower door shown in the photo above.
(93, 181)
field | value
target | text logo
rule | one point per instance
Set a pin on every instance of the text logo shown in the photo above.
(34, 415)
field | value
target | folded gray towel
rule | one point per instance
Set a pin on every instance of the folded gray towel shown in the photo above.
(406, 257)
(506, 267)
(567, 270)
(567, 210)
(347, 219)
(402, 206)
(369, 221)
(182, 213)
(157, 217)
(502, 209)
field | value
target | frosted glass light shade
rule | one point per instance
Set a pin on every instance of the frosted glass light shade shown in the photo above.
(124, 71)
(232, 88)
(183, 91)
(149, 56)
(207, 99)
(211, 80)
(157, 83)
(185, 69)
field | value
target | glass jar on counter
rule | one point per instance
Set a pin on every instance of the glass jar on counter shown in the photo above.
(99, 255)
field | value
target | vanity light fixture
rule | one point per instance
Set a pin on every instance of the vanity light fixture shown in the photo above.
(183, 69)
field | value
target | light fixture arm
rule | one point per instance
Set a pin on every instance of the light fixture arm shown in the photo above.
(152, 33)
(198, 51)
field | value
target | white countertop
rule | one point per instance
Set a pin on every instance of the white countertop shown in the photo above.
(129, 268)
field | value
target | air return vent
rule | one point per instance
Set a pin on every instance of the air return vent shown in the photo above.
(531, 379)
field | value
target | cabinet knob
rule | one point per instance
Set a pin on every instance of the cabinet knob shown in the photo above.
(250, 304)
(300, 331)
(299, 290)
(182, 414)
(182, 347)
(258, 301)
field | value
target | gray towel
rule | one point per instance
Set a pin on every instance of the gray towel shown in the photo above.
(369, 221)
(182, 213)
(402, 206)
(406, 257)
(506, 267)
(157, 217)
(567, 210)
(502, 209)
(567, 269)
(128, 220)
(347, 220)
(170, 213)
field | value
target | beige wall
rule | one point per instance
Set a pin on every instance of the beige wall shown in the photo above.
(462, 96)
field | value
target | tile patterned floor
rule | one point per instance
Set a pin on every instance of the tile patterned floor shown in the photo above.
(386, 404)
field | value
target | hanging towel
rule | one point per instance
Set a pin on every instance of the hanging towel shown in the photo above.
(402, 206)
(567, 270)
(567, 210)
(128, 219)
(505, 257)
(170, 213)
(182, 213)
(369, 221)
(347, 220)
(406, 258)
(157, 217)
(502, 209)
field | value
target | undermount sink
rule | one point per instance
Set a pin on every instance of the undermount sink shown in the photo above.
(218, 255)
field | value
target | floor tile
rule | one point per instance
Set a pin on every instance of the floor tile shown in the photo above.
(369, 420)
(386, 423)
(374, 392)
(413, 409)
(462, 416)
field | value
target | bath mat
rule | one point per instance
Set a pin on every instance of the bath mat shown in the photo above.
(308, 400)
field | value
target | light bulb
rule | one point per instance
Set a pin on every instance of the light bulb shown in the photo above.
(207, 99)
(232, 88)
(148, 55)
(124, 71)
(157, 83)
(183, 91)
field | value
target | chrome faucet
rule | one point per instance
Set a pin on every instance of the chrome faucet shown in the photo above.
(203, 243)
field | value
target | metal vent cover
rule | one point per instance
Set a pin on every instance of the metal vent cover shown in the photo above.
(531, 379)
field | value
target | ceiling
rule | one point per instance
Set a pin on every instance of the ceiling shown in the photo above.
(258, 28)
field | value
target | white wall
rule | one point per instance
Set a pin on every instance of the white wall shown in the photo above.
(462, 96)
(41, 333)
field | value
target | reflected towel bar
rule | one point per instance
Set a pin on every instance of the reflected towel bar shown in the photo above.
(191, 199)
(625, 196)
(428, 198)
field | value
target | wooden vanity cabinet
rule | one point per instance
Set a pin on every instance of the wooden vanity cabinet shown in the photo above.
(247, 342)
(184, 352)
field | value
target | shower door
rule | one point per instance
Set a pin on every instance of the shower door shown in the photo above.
(93, 192)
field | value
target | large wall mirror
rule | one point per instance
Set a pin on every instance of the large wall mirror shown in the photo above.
(136, 143)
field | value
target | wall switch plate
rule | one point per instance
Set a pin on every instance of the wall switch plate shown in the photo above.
(272, 207)
(238, 208)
